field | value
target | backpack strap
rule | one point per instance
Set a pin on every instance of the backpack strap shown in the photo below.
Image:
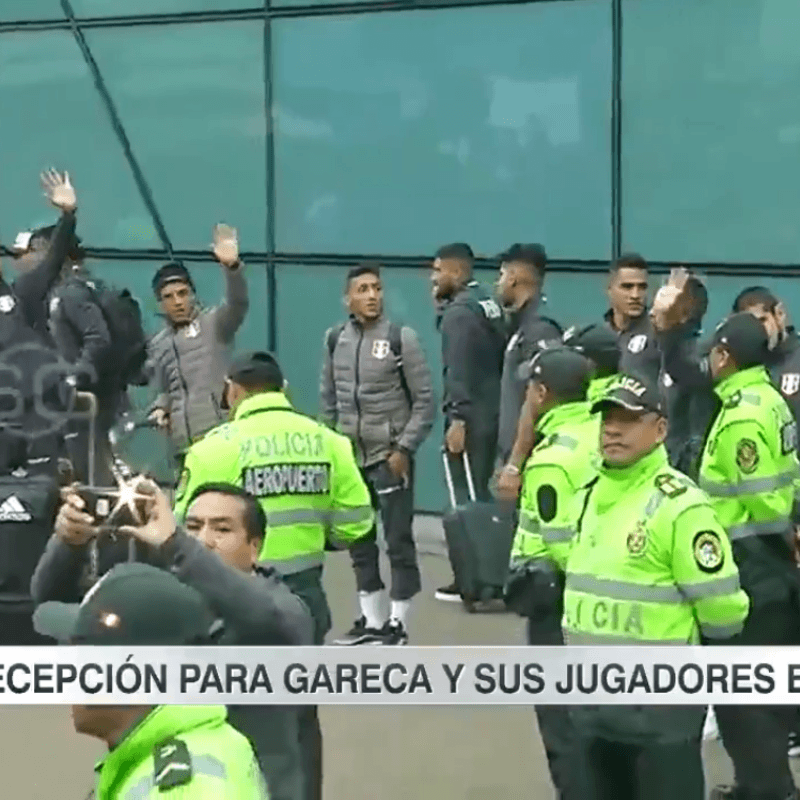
(333, 337)
(396, 346)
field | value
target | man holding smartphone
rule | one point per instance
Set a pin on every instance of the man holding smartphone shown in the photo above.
(376, 389)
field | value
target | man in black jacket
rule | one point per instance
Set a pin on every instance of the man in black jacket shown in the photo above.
(473, 343)
(216, 556)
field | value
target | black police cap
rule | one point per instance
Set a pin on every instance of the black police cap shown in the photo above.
(745, 338)
(632, 393)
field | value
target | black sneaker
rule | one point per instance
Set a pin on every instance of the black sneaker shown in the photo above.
(394, 633)
(361, 634)
(448, 594)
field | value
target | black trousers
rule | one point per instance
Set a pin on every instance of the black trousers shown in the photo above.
(395, 503)
(756, 737)
(482, 453)
(311, 751)
(558, 732)
(618, 771)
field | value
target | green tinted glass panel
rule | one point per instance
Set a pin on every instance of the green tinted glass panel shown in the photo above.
(21, 10)
(411, 129)
(121, 8)
(191, 98)
(710, 130)
(53, 117)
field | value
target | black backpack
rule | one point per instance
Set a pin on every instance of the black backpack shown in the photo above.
(128, 339)
(395, 345)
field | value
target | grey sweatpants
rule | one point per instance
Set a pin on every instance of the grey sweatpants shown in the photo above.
(395, 503)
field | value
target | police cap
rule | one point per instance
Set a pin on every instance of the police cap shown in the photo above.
(632, 393)
(564, 372)
(745, 338)
(598, 343)
(255, 368)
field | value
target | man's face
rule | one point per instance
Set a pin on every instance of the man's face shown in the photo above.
(627, 291)
(769, 319)
(217, 520)
(32, 256)
(365, 297)
(625, 436)
(445, 277)
(507, 282)
(718, 361)
(177, 302)
(96, 721)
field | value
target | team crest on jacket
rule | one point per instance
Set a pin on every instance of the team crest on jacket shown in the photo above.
(637, 540)
(708, 553)
(637, 343)
(747, 455)
(380, 348)
(790, 383)
(7, 303)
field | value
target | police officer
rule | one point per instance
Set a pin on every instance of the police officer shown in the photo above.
(190, 752)
(749, 468)
(562, 461)
(650, 564)
(305, 477)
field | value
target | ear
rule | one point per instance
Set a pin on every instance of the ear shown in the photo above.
(781, 315)
(255, 549)
(663, 427)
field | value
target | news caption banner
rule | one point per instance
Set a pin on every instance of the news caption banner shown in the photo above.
(401, 676)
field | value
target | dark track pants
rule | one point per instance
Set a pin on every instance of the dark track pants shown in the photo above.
(395, 504)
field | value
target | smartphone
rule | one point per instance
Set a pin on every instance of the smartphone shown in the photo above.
(103, 504)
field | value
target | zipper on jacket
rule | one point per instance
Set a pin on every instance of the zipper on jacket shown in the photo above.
(185, 390)
(355, 394)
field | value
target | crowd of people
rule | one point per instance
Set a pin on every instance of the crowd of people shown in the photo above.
(624, 481)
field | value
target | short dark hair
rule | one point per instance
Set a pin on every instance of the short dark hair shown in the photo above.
(255, 520)
(628, 261)
(699, 296)
(365, 268)
(755, 296)
(458, 250)
(44, 235)
(532, 255)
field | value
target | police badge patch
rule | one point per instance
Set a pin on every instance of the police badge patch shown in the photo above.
(637, 540)
(708, 553)
(747, 456)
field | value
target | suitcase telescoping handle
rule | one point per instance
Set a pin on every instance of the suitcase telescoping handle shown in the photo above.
(89, 400)
(448, 476)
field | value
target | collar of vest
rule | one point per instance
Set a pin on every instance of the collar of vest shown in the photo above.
(261, 402)
(655, 461)
(597, 388)
(562, 415)
(740, 380)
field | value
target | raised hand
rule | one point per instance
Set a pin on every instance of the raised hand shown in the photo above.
(58, 190)
(226, 245)
(668, 307)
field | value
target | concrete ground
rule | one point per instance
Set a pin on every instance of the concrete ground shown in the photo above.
(446, 753)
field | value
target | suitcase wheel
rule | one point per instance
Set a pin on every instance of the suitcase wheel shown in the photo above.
(469, 605)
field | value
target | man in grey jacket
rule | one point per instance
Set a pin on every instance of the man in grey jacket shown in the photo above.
(188, 358)
(376, 389)
(215, 555)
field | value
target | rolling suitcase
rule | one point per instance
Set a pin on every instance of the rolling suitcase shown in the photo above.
(479, 539)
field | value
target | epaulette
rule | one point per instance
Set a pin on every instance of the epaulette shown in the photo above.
(172, 764)
(669, 485)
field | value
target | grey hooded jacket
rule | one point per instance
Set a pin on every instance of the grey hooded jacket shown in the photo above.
(362, 396)
(187, 365)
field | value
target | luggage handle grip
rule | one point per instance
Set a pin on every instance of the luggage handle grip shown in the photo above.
(448, 476)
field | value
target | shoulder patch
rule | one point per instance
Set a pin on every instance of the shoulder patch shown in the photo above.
(172, 765)
(747, 457)
(707, 551)
(669, 485)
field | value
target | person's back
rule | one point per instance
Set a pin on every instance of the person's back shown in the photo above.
(182, 752)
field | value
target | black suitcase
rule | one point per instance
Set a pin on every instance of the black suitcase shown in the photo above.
(479, 539)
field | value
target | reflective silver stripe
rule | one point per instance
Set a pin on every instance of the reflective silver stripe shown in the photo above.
(291, 566)
(528, 523)
(753, 399)
(201, 765)
(584, 638)
(721, 631)
(653, 503)
(747, 529)
(750, 485)
(566, 441)
(715, 588)
(313, 516)
(556, 534)
(622, 590)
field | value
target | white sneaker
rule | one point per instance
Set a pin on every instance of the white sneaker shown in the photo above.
(710, 728)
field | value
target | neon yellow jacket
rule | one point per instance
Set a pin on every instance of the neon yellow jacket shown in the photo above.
(181, 753)
(559, 465)
(304, 475)
(650, 561)
(750, 470)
